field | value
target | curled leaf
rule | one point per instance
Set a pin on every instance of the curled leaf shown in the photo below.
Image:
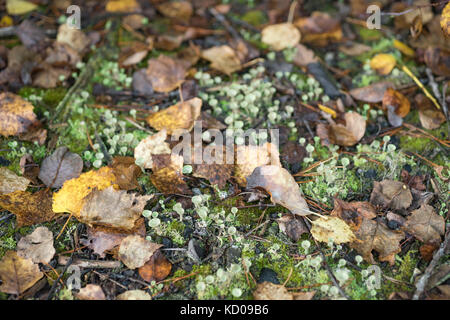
(383, 63)
(222, 58)
(391, 194)
(350, 133)
(16, 115)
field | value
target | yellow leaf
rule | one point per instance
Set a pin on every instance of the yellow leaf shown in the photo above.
(71, 196)
(445, 20)
(403, 48)
(383, 63)
(6, 21)
(18, 7)
(122, 6)
(327, 110)
(332, 228)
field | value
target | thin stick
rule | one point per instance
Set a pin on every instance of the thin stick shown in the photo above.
(64, 226)
(97, 264)
(292, 11)
(421, 86)
(288, 277)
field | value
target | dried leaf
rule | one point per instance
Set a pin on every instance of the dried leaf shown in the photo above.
(91, 292)
(135, 251)
(215, 173)
(152, 145)
(37, 246)
(438, 60)
(167, 174)
(383, 63)
(135, 58)
(319, 29)
(134, 295)
(331, 228)
(292, 226)
(391, 194)
(304, 56)
(179, 116)
(427, 250)
(70, 197)
(445, 20)
(270, 291)
(222, 58)
(61, 166)
(353, 212)
(122, 6)
(397, 101)
(351, 133)
(75, 38)
(425, 224)
(181, 10)
(155, 269)
(280, 36)
(429, 116)
(373, 93)
(354, 49)
(165, 73)
(49, 78)
(126, 172)
(281, 186)
(18, 274)
(19, 7)
(29, 208)
(28, 168)
(10, 182)
(112, 208)
(16, 115)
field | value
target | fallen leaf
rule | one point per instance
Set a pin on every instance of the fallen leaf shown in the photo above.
(16, 115)
(331, 228)
(179, 116)
(29, 208)
(61, 166)
(37, 246)
(391, 194)
(280, 36)
(222, 58)
(181, 10)
(427, 250)
(215, 173)
(248, 157)
(61, 55)
(445, 20)
(397, 101)
(141, 84)
(430, 117)
(292, 226)
(31, 35)
(126, 172)
(28, 168)
(155, 269)
(270, 291)
(122, 6)
(383, 63)
(10, 182)
(19, 7)
(167, 174)
(75, 38)
(438, 60)
(319, 29)
(135, 251)
(425, 224)
(281, 186)
(134, 295)
(49, 78)
(135, 58)
(165, 73)
(351, 133)
(375, 235)
(152, 145)
(18, 274)
(372, 93)
(353, 212)
(112, 208)
(354, 49)
(91, 292)
(70, 197)
(304, 56)
(303, 295)
(403, 48)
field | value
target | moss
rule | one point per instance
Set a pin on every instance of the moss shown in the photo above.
(369, 34)
(405, 271)
(254, 17)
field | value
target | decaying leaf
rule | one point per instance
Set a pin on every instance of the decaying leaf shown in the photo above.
(122, 6)
(280, 36)
(112, 208)
(292, 226)
(155, 269)
(445, 20)
(152, 145)
(61, 166)
(29, 208)
(181, 10)
(215, 173)
(91, 292)
(270, 291)
(425, 224)
(351, 133)
(248, 157)
(18, 274)
(319, 29)
(70, 197)
(430, 117)
(180, 116)
(353, 212)
(391, 194)
(37, 246)
(167, 174)
(397, 101)
(10, 182)
(438, 60)
(50, 77)
(281, 186)
(332, 228)
(135, 251)
(126, 172)
(75, 38)
(16, 115)
(134, 295)
(222, 58)
(354, 49)
(372, 93)
(304, 56)
(165, 73)
(383, 63)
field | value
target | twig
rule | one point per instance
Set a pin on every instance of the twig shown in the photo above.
(420, 85)
(95, 264)
(423, 281)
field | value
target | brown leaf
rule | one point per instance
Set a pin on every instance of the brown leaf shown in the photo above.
(319, 29)
(303, 295)
(61, 55)
(383, 63)
(351, 133)
(135, 58)
(75, 38)
(152, 145)
(438, 60)
(445, 20)
(16, 115)
(430, 117)
(10, 182)
(415, 182)
(280, 36)
(354, 49)
(281, 186)
(49, 77)
(304, 56)
(222, 58)
(135, 251)
(292, 226)
(37, 246)
(427, 250)
(372, 93)
(397, 101)
(179, 116)
(91, 292)
(28, 168)
(29, 208)
(391, 194)
(112, 208)
(61, 166)
(155, 269)
(216, 174)
(165, 73)
(270, 291)
(126, 172)
(425, 224)
(18, 274)
(353, 212)
(134, 295)
(180, 10)
(167, 174)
